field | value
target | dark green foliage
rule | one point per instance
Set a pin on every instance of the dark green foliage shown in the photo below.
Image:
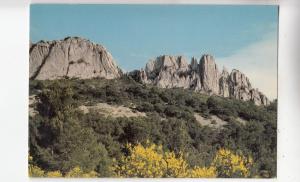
(58, 141)
(61, 137)
(56, 99)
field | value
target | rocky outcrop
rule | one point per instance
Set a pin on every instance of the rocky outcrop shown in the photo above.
(224, 83)
(209, 74)
(168, 72)
(76, 57)
(71, 57)
(174, 71)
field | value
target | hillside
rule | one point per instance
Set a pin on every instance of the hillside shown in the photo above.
(88, 123)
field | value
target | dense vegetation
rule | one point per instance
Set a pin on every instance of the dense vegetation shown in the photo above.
(152, 162)
(63, 139)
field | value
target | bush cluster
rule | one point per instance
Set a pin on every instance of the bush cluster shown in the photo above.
(63, 138)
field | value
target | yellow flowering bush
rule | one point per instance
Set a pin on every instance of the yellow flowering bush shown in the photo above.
(175, 166)
(76, 172)
(142, 162)
(203, 172)
(153, 162)
(229, 164)
(54, 174)
(35, 171)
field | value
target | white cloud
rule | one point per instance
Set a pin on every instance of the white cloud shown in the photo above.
(259, 62)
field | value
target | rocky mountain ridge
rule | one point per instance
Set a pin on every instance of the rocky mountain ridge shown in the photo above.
(76, 57)
(174, 71)
(71, 57)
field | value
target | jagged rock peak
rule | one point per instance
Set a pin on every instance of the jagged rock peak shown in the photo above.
(167, 61)
(209, 74)
(225, 71)
(174, 71)
(224, 83)
(239, 79)
(194, 64)
(71, 57)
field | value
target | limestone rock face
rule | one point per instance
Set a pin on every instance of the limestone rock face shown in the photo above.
(174, 71)
(209, 74)
(76, 57)
(72, 57)
(224, 83)
(259, 98)
(168, 72)
(239, 86)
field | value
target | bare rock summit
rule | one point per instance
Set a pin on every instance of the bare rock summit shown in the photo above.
(75, 57)
(72, 57)
(174, 71)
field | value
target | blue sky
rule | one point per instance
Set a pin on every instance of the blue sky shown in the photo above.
(135, 33)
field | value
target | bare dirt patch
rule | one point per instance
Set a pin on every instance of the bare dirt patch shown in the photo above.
(241, 120)
(214, 121)
(112, 110)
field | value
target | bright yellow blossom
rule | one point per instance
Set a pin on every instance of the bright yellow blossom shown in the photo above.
(153, 162)
(76, 172)
(54, 174)
(229, 164)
